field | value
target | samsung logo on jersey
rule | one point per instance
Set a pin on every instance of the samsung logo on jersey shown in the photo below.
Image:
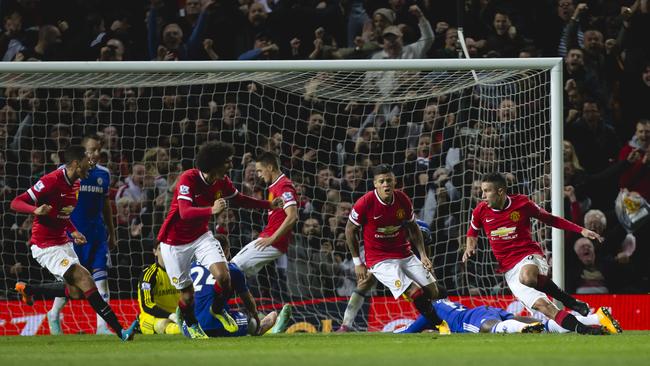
(91, 189)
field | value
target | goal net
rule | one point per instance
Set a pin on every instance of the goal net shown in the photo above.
(440, 128)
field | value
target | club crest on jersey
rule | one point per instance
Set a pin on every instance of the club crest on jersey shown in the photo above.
(400, 214)
(65, 262)
(398, 283)
(183, 189)
(217, 195)
(100, 181)
(515, 216)
(175, 280)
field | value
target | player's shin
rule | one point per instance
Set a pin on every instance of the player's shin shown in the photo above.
(423, 305)
(102, 287)
(187, 309)
(547, 286)
(354, 305)
(47, 290)
(221, 296)
(567, 321)
(104, 310)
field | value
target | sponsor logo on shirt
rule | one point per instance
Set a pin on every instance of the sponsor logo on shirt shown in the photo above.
(400, 214)
(65, 212)
(39, 186)
(504, 233)
(515, 216)
(387, 232)
(183, 189)
(92, 189)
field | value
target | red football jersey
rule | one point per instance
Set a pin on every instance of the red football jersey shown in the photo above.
(191, 186)
(384, 235)
(54, 189)
(508, 230)
(282, 187)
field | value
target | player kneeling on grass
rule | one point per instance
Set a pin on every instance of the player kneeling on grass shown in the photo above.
(246, 322)
(157, 298)
(487, 319)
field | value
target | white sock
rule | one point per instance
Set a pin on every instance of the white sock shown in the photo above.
(509, 326)
(354, 305)
(102, 288)
(553, 327)
(591, 319)
(57, 306)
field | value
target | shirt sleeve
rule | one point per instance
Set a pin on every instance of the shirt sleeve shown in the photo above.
(229, 190)
(358, 213)
(145, 288)
(39, 190)
(185, 188)
(475, 224)
(289, 196)
(408, 207)
(544, 216)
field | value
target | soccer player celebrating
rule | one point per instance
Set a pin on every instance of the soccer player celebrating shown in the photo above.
(248, 322)
(93, 217)
(201, 193)
(274, 240)
(158, 299)
(387, 217)
(506, 221)
(52, 200)
(359, 294)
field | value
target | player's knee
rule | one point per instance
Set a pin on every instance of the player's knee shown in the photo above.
(528, 279)
(223, 279)
(365, 285)
(545, 307)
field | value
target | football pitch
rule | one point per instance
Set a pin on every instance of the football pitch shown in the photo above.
(629, 348)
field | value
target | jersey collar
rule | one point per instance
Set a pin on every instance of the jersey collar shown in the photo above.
(65, 176)
(508, 203)
(203, 178)
(276, 180)
(382, 201)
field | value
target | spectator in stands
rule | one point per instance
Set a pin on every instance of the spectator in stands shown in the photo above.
(12, 39)
(505, 40)
(637, 177)
(46, 49)
(595, 142)
(590, 278)
(353, 184)
(263, 49)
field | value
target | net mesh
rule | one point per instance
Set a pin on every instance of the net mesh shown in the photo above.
(440, 131)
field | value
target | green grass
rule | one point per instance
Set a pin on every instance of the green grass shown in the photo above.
(629, 348)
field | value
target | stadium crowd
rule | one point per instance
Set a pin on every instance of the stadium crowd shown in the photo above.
(438, 147)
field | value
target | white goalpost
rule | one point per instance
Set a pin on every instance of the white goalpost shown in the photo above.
(440, 123)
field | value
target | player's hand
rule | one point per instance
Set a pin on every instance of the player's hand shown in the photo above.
(112, 241)
(262, 243)
(78, 237)
(468, 253)
(219, 205)
(362, 272)
(591, 235)
(277, 203)
(173, 318)
(42, 210)
(426, 262)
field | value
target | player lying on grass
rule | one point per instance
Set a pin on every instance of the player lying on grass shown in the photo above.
(51, 200)
(158, 299)
(506, 221)
(358, 296)
(246, 322)
(487, 319)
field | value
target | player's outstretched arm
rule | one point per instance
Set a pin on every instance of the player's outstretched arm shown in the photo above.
(244, 201)
(352, 240)
(470, 247)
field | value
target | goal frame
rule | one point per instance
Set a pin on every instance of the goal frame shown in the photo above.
(556, 90)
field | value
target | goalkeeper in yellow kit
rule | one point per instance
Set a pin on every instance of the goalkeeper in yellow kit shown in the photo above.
(157, 298)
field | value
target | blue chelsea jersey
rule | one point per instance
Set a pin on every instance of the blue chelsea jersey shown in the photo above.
(92, 193)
